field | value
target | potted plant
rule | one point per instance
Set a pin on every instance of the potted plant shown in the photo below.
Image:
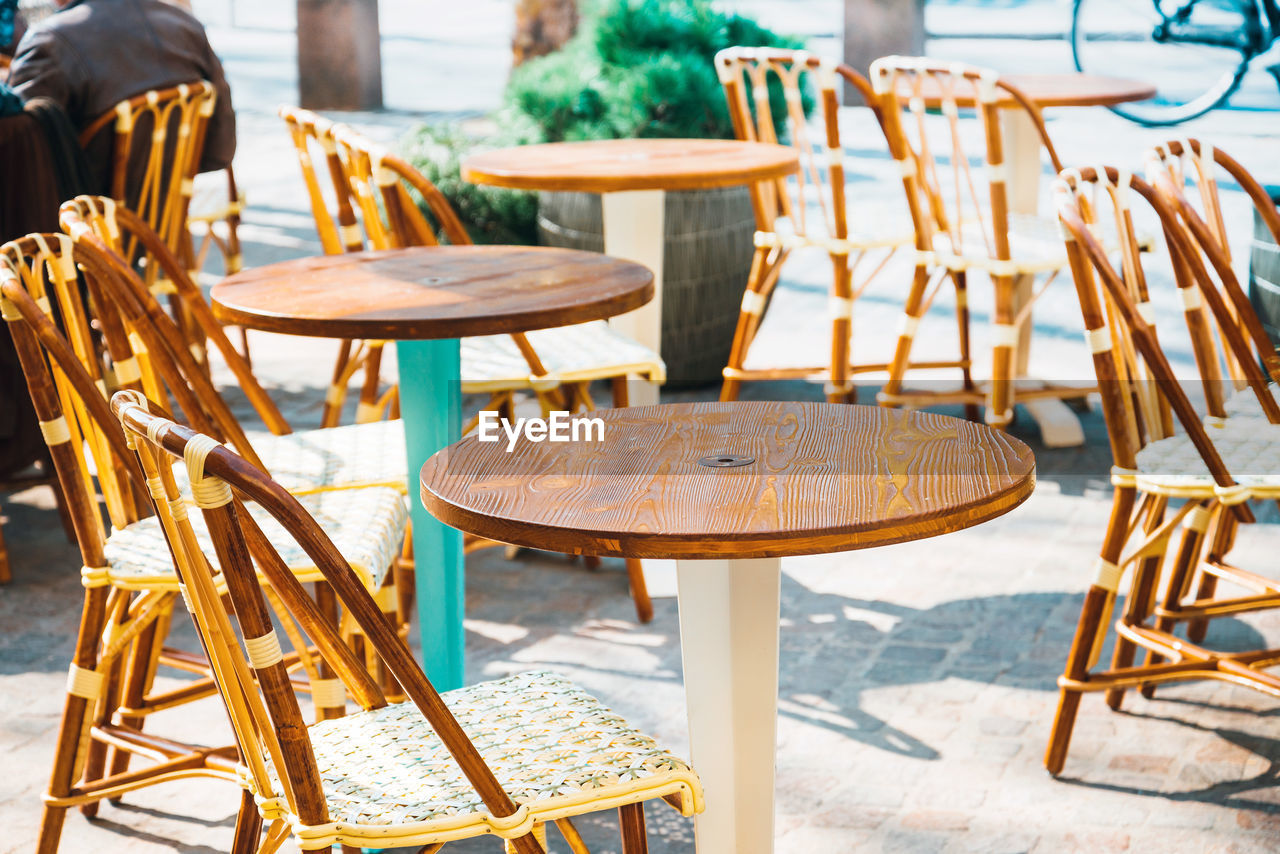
(635, 68)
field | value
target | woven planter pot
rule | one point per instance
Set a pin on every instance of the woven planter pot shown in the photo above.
(708, 256)
(1264, 274)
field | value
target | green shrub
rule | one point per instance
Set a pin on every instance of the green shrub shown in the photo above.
(636, 68)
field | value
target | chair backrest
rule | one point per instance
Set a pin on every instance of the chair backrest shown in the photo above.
(69, 368)
(156, 149)
(387, 189)
(385, 185)
(1141, 396)
(750, 77)
(106, 227)
(944, 190)
(249, 671)
(335, 220)
(1173, 168)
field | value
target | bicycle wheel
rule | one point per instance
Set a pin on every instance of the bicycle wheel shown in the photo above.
(1196, 51)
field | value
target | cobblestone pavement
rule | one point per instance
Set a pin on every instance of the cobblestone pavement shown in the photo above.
(917, 681)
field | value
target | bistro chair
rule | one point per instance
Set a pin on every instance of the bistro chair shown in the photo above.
(502, 757)
(71, 361)
(339, 232)
(216, 208)
(1186, 173)
(963, 222)
(564, 360)
(852, 234)
(355, 456)
(1212, 472)
(157, 139)
(557, 365)
(1237, 393)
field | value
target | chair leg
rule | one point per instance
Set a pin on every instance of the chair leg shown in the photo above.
(1222, 538)
(1064, 719)
(137, 681)
(571, 836)
(840, 389)
(961, 281)
(639, 590)
(635, 572)
(68, 756)
(1092, 613)
(248, 826)
(748, 318)
(906, 336)
(1141, 599)
(95, 762)
(631, 822)
(1001, 396)
(366, 409)
(5, 575)
(332, 412)
(1179, 576)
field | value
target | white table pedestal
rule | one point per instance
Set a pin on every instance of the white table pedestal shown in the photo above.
(1059, 426)
(729, 642)
(634, 229)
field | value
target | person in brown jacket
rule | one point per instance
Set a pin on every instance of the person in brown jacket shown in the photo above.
(92, 54)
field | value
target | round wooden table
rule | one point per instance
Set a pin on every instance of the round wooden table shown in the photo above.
(426, 298)
(633, 176)
(727, 489)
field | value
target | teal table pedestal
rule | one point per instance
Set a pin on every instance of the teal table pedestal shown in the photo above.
(431, 406)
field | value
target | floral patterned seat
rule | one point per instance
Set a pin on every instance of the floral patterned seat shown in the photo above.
(367, 526)
(555, 749)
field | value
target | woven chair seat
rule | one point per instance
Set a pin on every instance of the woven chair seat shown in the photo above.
(1243, 405)
(555, 749)
(367, 526)
(210, 201)
(1173, 467)
(872, 224)
(1035, 246)
(578, 353)
(351, 456)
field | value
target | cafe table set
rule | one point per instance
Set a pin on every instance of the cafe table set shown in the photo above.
(724, 489)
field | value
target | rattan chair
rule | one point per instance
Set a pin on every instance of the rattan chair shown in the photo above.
(564, 360)
(498, 758)
(557, 365)
(1237, 395)
(157, 141)
(1212, 472)
(339, 231)
(215, 211)
(963, 222)
(71, 360)
(354, 456)
(1186, 173)
(851, 233)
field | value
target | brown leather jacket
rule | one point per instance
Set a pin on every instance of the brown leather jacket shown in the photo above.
(95, 53)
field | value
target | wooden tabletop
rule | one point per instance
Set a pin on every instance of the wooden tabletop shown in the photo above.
(820, 478)
(614, 165)
(430, 292)
(1046, 90)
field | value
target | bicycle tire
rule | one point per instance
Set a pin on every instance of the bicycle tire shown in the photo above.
(1151, 114)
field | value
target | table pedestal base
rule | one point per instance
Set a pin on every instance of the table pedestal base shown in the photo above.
(729, 641)
(635, 230)
(431, 406)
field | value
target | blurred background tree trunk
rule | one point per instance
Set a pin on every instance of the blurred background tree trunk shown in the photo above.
(542, 26)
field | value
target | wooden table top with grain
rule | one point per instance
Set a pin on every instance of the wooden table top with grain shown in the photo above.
(1044, 90)
(620, 165)
(432, 292)
(665, 481)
